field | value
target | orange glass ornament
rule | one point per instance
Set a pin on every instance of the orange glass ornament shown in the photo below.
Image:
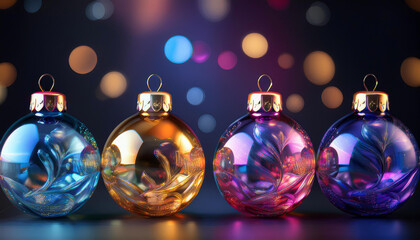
(153, 163)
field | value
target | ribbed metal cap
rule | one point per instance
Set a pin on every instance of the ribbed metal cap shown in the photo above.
(47, 100)
(264, 101)
(373, 101)
(154, 101)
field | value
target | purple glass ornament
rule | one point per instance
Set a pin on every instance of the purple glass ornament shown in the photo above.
(368, 161)
(264, 164)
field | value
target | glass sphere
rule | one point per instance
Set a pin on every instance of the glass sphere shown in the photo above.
(49, 164)
(264, 164)
(153, 164)
(368, 164)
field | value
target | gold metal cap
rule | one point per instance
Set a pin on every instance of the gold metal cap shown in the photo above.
(264, 101)
(47, 100)
(154, 101)
(373, 101)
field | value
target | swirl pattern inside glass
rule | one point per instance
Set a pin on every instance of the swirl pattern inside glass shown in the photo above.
(368, 164)
(264, 165)
(49, 164)
(153, 165)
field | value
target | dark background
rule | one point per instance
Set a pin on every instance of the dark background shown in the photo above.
(361, 37)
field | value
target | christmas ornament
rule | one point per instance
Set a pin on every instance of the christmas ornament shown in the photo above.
(264, 164)
(368, 161)
(153, 163)
(49, 162)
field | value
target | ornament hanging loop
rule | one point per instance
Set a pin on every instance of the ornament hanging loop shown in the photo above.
(364, 81)
(269, 78)
(160, 84)
(46, 75)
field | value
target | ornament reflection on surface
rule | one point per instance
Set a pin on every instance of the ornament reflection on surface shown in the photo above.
(152, 163)
(368, 161)
(49, 162)
(264, 164)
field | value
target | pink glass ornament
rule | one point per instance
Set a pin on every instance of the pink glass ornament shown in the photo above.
(264, 164)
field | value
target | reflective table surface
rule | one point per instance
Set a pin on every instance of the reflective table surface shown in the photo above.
(209, 216)
(188, 226)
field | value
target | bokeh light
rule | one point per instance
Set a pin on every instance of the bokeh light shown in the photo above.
(227, 60)
(178, 49)
(319, 68)
(3, 94)
(95, 11)
(113, 84)
(5, 4)
(278, 4)
(254, 45)
(318, 14)
(99, 10)
(8, 74)
(410, 71)
(32, 6)
(413, 4)
(145, 15)
(109, 8)
(332, 97)
(83, 59)
(214, 10)
(195, 96)
(207, 123)
(295, 103)
(201, 52)
(286, 60)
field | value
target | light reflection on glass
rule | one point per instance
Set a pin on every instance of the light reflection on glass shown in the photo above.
(128, 143)
(153, 164)
(368, 164)
(49, 164)
(240, 145)
(264, 166)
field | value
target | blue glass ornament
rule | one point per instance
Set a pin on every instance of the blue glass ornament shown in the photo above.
(49, 161)
(368, 161)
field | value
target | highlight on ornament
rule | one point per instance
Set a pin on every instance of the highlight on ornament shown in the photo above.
(153, 163)
(368, 161)
(264, 164)
(49, 160)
